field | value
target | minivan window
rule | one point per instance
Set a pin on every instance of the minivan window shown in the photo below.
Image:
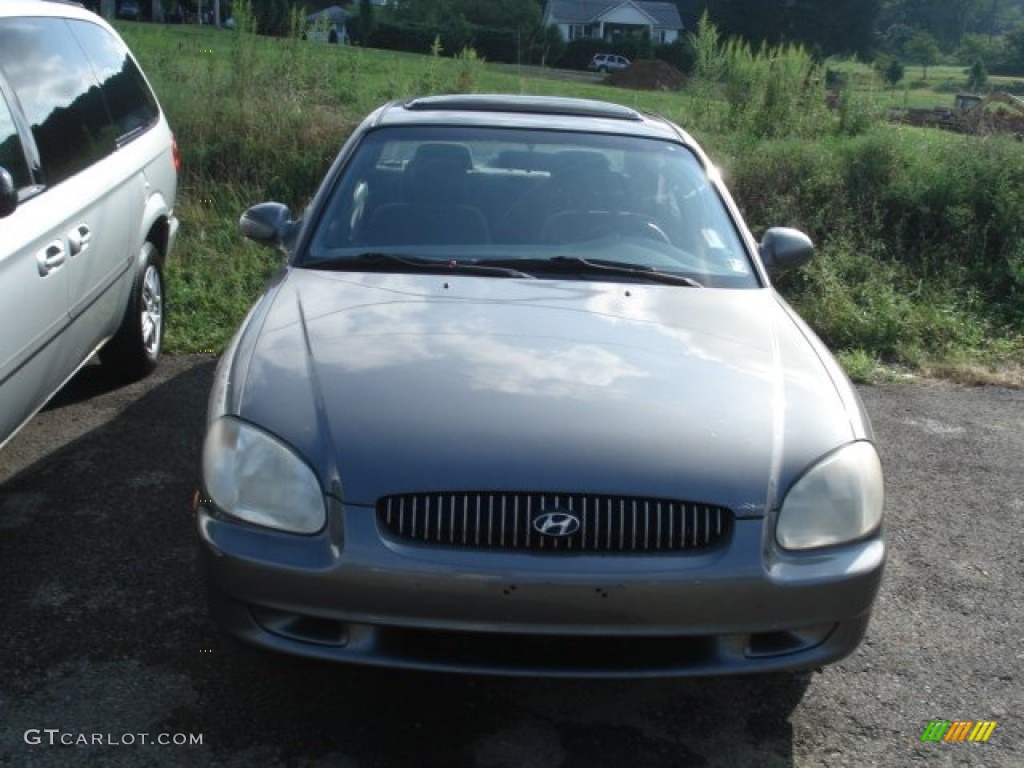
(130, 102)
(58, 93)
(12, 158)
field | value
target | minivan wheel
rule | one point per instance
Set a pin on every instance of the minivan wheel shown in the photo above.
(134, 350)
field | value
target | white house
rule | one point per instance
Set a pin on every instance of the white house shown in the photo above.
(328, 25)
(614, 19)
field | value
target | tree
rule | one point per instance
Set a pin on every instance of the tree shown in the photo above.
(834, 26)
(923, 49)
(1015, 47)
(947, 20)
(973, 47)
(890, 68)
(552, 45)
(894, 73)
(272, 16)
(896, 38)
(365, 23)
(977, 78)
(498, 14)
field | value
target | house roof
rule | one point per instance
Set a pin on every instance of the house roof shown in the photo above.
(584, 11)
(335, 14)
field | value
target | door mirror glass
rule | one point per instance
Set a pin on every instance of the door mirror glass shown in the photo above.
(8, 194)
(267, 223)
(783, 249)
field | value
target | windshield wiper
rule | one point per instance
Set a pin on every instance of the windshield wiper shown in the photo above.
(380, 261)
(642, 271)
(575, 264)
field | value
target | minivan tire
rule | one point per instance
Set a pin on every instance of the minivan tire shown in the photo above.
(134, 351)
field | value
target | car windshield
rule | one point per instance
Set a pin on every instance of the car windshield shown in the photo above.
(526, 198)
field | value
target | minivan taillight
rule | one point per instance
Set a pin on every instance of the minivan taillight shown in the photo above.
(175, 155)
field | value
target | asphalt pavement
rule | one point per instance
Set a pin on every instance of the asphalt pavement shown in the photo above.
(107, 657)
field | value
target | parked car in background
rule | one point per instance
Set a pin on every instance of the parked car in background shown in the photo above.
(88, 177)
(608, 62)
(524, 401)
(129, 9)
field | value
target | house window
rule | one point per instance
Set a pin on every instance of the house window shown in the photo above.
(577, 31)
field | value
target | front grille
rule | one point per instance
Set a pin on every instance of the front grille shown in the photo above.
(510, 521)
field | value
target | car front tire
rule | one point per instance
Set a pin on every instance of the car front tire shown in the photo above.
(134, 351)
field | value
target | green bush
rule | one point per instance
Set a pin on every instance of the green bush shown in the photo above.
(920, 241)
(679, 54)
(771, 91)
(490, 43)
(416, 38)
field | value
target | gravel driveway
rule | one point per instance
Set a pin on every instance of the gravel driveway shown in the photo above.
(104, 635)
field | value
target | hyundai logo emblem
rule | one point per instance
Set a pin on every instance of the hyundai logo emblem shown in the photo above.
(558, 524)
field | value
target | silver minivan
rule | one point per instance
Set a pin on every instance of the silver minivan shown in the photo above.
(88, 178)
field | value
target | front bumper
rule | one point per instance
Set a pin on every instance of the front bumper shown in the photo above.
(745, 607)
(173, 227)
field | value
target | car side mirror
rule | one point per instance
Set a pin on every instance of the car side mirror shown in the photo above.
(8, 194)
(783, 249)
(267, 224)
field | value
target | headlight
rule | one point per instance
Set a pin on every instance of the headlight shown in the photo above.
(838, 500)
(253, 476)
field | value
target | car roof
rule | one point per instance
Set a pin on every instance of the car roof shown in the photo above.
(531, 112)
(60, 8)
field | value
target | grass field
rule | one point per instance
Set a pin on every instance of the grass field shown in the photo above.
(915, 91)
(921, 263)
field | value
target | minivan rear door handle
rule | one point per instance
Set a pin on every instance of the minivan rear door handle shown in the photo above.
(78, 239)
(51, 257)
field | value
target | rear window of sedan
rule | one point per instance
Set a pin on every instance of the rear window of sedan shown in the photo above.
(481, 193)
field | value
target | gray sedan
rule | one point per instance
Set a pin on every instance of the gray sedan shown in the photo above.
(523, 401)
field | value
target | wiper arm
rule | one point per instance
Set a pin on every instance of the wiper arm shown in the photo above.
(642, 271)
(568, 264)
(382, 261)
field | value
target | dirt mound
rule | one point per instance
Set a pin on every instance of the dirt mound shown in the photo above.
(648, 75)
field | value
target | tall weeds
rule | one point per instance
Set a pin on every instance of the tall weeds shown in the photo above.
(769, 91)
(920, 237)
(468, 71)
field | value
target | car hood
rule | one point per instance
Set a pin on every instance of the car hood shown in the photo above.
(408, 383)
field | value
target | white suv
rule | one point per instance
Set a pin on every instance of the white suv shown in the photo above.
(608, 62)
(88, 177)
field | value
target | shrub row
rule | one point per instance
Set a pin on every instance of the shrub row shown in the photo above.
(490, 43)
(921, 234)
(505, 45)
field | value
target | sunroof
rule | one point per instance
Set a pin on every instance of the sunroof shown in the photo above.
(540, 105)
